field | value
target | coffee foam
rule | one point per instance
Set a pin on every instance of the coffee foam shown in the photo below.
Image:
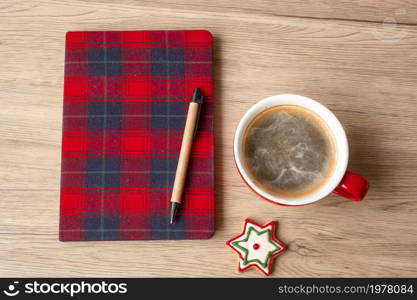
(289, 151)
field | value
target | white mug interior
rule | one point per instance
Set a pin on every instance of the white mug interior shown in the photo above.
(326, 115)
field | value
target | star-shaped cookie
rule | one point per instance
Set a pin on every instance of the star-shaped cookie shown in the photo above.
(256, 246)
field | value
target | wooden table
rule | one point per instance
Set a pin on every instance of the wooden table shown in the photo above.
(350, 56)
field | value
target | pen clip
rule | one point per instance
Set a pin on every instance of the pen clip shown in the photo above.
(198, 98)
(197, 123)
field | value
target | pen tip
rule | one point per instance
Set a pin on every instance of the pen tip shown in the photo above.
(173, 213)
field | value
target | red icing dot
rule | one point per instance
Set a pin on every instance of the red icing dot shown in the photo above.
(256, 246)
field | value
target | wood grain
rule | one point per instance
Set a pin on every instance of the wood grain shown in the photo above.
(337, 52)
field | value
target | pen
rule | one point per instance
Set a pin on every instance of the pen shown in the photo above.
(190, 130)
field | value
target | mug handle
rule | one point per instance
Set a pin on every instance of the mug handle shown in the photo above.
(352, 187)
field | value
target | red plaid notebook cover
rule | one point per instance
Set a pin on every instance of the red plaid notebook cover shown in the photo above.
(126, 95)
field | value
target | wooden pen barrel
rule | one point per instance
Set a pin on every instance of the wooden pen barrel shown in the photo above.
(185, 153)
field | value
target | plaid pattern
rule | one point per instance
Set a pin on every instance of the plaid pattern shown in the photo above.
(126, 96)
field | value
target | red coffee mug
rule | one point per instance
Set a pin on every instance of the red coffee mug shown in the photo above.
(341, 182)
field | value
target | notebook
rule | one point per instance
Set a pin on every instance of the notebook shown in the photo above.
(126, 95)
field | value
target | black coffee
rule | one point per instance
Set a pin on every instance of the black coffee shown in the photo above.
(289, 151)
